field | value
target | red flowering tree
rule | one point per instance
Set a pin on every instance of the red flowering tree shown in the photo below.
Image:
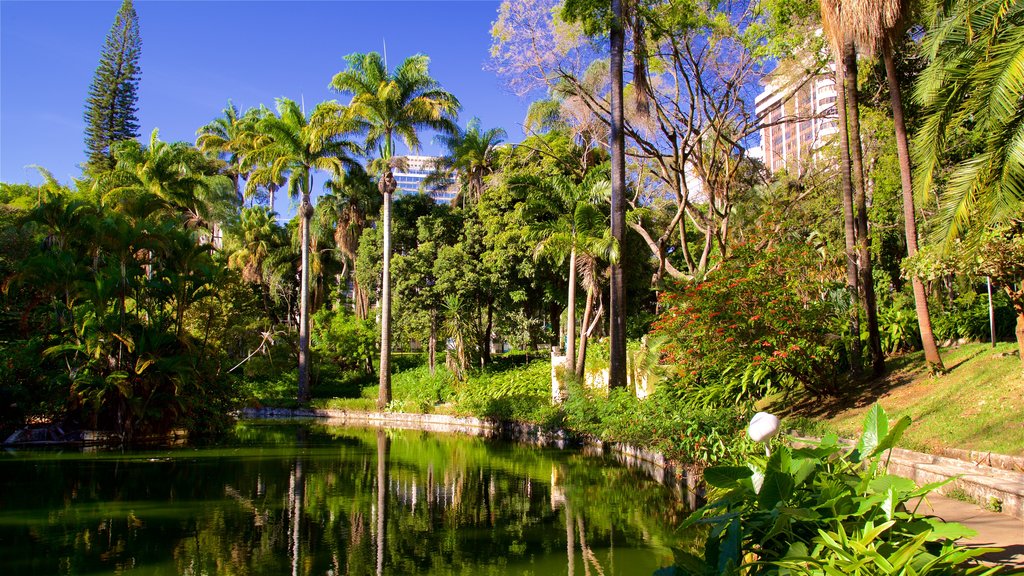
(760, 324)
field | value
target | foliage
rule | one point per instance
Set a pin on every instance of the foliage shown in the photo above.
(677, 428)
(825, 509)
(974, 81)
(897, 323)
(759, 325)
(343, 340)
(112, 105)
(522, 394)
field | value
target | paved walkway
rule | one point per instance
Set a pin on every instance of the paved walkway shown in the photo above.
(994, 530)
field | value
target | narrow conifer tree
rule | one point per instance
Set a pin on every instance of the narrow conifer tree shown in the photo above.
(110, 109)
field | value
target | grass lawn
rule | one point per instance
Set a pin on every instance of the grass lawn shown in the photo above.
(977, 405)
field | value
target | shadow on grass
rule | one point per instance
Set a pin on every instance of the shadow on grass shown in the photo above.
(855, 393)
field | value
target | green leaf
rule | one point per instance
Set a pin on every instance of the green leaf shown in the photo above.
(948, 530)
(876, 426)
(726, 476)
(777, 487)
(892, 437)
(729, 551)
(898, 483)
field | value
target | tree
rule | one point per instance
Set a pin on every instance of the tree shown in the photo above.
(975, 81)
(112, 104)
(470, 158)
(346, 209)
(291, 145)
(839, 19)
(223, 138)
(578, 233)
(883, 24)
(385, 106)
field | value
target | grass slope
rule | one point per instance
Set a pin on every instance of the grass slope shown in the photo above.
(977, 405)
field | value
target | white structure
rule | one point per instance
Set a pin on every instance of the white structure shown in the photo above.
(798, 118)
(416, 171)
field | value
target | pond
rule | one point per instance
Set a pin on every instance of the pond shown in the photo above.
(304, 498)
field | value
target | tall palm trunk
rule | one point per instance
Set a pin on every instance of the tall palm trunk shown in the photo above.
(386, 186)
(432, 343)
(849, 228)
(867, 284)
(581, 356)
(617, 303)
(570, 322)
(931, 351)
(307, 211)
(383, 454)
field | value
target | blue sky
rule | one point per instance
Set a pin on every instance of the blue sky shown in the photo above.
(198, 54)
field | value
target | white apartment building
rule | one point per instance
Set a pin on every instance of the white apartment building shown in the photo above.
(417, 169)
(797, 120)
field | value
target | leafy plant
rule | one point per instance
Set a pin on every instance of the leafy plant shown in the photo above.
(758, 325)
(825, 509)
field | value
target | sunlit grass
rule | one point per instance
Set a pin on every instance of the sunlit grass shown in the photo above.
(977, 405)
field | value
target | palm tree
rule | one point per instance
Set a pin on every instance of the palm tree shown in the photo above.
(387, 106)
(882, 23)
(839, 19)
(256, 230)
(578, 233)
(174, 179)
(617, 306)
(222, 139)
(975, 79)
(345, 211)
(471, 157)
(293, 146)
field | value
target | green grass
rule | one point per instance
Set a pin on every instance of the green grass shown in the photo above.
(978, 404)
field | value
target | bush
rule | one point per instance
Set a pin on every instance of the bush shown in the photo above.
(344, 340)
(824, 510)
(966, 317)
(897, 323)
(520, 394)
(681, 431)
(758, 326)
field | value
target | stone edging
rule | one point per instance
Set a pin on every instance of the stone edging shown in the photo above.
(980, 481)
(654, 464)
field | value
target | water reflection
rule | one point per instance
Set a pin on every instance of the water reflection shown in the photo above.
(317, 500)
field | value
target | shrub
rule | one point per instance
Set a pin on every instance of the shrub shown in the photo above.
(344, 340)
(691, 434)
(824, 509)
(759, 325)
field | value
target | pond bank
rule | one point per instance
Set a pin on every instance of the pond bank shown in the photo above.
(686, 485)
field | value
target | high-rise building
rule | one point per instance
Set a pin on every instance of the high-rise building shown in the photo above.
(417, 169)
(798, 119)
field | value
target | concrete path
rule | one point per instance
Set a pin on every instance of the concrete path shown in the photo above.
(994, 530)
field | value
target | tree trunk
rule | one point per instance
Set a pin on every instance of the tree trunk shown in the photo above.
(570, 318)
(617, 302)
(555, 317)
(485, 346)
(867, 284)
(581, 356)
(849, 228)
(1020, 335)
(924, 322)
(386, 186)
(383, 453)
(306, 211)
(432, 344)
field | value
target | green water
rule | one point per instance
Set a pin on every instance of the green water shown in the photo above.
(292, 498)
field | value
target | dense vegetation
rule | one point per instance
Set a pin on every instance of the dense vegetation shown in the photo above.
(160, 290)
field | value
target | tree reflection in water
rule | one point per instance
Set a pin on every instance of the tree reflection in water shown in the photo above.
(290, 498)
